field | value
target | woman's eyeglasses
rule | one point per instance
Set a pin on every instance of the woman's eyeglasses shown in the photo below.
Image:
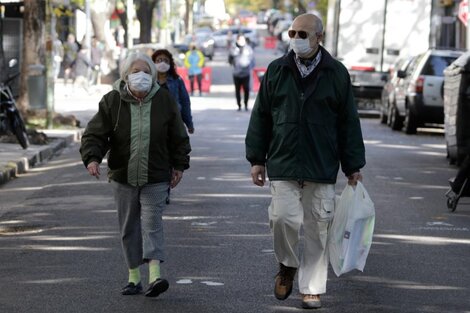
(302, 34)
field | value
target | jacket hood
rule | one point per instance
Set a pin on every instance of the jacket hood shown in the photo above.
(121, 86)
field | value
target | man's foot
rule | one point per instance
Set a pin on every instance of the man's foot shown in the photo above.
(284, 282)
(239, 108)
(311, 301)
(131, 289)
(157, 287)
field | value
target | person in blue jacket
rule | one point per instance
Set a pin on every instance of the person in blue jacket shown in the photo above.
(194, 62)
(169, 79)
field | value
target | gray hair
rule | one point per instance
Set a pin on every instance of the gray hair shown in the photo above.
(127, 64)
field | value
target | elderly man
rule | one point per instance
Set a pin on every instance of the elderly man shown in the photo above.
(303, 126)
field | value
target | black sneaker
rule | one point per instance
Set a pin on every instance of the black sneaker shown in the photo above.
(131, 289)
(157, 287)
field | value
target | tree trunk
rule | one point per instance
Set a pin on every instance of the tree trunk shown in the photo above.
(188, 16)
(145, 14)
(2, 54)
(34, 16)
(100, 12)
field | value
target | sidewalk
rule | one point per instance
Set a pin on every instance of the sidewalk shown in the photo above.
(14, 160)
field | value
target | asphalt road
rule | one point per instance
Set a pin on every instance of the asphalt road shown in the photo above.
(60, 250)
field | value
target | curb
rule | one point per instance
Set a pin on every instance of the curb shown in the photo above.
(59, 140)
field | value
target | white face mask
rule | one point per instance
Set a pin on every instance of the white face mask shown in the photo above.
(301, 47)
(162, 67)
(140, 81)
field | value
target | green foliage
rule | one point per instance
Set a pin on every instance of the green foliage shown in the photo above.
(296, 6)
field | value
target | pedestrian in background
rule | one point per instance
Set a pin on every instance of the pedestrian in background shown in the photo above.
(194, 62)
(169, 79)
(58, 56)
(70, 55)
(81, 68)
(304, 125)
(139, 124)
(96, 53)
(242, 59)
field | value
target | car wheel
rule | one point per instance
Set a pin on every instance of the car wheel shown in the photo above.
(395, 120)
(411, 123)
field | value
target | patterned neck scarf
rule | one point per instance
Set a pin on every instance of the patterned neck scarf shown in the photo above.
(307, 66)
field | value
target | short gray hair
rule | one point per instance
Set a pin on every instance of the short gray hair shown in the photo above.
(131, 58)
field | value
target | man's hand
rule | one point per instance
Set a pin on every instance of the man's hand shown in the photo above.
(191, 130)
(175, 178)
(258, 175)
(354, 178)
(94, 169)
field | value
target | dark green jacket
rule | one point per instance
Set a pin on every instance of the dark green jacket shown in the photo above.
(304, 128)
(144, 139)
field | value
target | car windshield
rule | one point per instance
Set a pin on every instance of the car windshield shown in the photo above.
(436, 64)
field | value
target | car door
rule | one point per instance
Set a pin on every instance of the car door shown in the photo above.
(433, 74)
(403, 82)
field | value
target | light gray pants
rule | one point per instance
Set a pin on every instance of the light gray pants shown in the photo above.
(140, 211)
(311, 205)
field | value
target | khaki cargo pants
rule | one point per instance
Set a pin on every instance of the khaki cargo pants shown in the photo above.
(312, 206)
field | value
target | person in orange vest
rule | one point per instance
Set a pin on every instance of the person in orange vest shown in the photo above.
(194, 62)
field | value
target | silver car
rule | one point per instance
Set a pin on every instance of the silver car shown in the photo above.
(222, 37)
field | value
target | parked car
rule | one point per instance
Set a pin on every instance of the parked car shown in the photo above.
(388, 91)
(419, 101)
(203, 42)
(220, 36)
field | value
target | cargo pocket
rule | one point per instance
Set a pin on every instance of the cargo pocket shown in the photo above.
(327, 210)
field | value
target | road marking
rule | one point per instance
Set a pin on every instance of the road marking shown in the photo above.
(438, 224)
(212, 283)
(184, 281)
(202, 224)
(416, 198)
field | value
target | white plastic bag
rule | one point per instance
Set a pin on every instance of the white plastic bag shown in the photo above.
(351, 231)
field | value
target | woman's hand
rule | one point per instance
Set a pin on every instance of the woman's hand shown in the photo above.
(175, 178)
(94, 169)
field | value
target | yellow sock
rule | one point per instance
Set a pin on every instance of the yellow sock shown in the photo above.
(154, 270)
(134, 275)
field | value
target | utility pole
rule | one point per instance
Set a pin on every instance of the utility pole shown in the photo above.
(130, 22)
(51, 35)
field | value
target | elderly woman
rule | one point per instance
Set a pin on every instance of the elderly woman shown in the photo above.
(140, 125)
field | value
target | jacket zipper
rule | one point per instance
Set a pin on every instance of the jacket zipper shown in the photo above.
(140, 141)
(302, 95)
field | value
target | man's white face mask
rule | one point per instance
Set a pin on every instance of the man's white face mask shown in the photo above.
(301, 47)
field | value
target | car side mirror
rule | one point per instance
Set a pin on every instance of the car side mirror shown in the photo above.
(401, 74)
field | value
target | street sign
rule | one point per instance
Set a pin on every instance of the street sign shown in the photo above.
(463, 11)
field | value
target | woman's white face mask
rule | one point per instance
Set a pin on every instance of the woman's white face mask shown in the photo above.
(162, 67)
(140, 81)
(301, 47)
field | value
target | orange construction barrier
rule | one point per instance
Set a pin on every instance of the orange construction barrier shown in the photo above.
(206, 79)
(270, 42)
(258, 73)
